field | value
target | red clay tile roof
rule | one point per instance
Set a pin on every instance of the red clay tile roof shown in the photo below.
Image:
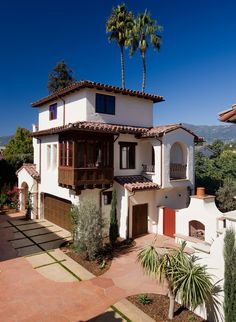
(143, 132)
(134, 183)
(99, 86)
(93, 127)
(160, 130)
(228, 115)
(31, 169)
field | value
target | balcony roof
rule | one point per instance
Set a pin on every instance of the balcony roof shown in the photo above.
(141, 132)
(97, 86)
(136, 183)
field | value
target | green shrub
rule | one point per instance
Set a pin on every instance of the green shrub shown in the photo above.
(113, 231)
(230, 276)
(144, 299)
(3, 199)
(87, 231)
(191, 318)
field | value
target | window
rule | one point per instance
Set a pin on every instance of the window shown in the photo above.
(54, 156)
(95, 154)
(48, 156)
(107, 197)
(127, 155)
(53, 111)
(66, 153)
(105, 104)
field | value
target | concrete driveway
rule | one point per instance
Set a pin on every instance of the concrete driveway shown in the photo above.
(41, 283)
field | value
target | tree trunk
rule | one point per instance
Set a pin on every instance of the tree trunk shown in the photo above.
(122, 66)
(144, 71)
(171, 306)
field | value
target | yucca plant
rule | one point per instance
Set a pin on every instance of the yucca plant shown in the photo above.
(183, 275)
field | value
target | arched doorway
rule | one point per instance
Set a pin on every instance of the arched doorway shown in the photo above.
(197, 229)
(24, 196)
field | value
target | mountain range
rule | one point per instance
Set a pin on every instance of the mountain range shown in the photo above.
(210, 133)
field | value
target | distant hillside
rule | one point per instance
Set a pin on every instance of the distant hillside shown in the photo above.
(225, 133)
(4, 140)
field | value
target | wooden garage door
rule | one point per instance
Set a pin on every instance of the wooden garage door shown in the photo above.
(57, 211)
(140, 220)
(169, 222)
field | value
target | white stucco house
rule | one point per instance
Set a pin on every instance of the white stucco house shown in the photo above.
(92, 138)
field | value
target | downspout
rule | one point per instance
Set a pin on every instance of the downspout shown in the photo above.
(64, 110)
(129, 204)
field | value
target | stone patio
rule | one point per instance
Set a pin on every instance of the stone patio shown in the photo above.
(45, 284)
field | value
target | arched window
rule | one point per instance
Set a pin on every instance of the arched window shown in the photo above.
(178, 161)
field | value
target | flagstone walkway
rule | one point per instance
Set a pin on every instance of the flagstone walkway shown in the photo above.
(40, 283)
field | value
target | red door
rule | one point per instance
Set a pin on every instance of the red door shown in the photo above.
(169, 222)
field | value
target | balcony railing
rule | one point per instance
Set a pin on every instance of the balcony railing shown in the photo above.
(177, 171)
(84, 176)
(148, 168)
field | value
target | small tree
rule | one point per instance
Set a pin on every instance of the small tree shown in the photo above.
(60, 77)
(87, 231)
(183, 275)
(230, 276)
(20, 144)
(226, 195)
(113, 230)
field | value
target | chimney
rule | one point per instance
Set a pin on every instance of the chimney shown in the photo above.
(200, 192)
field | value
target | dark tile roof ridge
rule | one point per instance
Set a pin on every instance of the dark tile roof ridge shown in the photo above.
(90, 84)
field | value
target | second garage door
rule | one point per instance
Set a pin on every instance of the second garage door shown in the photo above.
(57, 211)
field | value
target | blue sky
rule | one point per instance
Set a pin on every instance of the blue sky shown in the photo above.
(195, 70)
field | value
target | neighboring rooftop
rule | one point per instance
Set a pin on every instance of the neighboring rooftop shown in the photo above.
(157, 131)
(134, 183)
(228, 115)
(99, 86)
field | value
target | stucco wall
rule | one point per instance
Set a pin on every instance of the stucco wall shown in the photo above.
(122, 208)
(80, 106)
(128, 110)
(24, 177)
(187, 141)
(203, 210)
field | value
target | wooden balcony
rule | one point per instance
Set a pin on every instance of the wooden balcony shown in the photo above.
(82, 177)
(177, 171)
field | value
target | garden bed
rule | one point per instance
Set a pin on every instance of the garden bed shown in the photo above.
(95, 267)
(103, 262)
(159, 306)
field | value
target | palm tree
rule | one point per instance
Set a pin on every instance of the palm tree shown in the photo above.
(183, 275)
(144, 32)
(119, 26)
